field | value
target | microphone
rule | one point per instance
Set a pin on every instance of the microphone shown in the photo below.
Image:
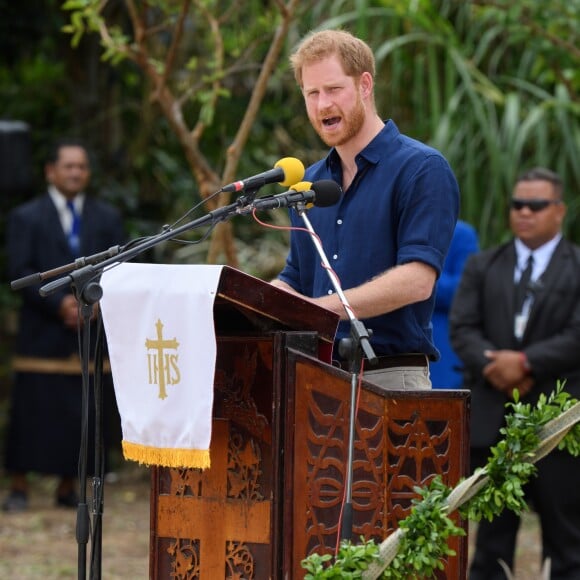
(321, 193)
(78, 263)
(286, 171)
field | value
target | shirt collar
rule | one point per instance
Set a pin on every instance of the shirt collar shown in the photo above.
(374, 150)
(60, 200)
(542, 255)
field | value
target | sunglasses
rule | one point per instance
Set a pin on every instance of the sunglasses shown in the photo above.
(534, 205)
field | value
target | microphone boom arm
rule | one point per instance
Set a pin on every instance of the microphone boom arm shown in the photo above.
(90, 271)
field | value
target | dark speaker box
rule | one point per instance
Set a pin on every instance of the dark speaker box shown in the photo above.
(16, 172)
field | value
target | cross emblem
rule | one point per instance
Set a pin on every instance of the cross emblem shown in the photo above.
(163, 369)
(214, 518)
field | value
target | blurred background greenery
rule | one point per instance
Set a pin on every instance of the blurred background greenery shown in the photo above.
(167, 94)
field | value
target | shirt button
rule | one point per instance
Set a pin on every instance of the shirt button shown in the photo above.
(330, 291)
(335, 257)
(339, 222)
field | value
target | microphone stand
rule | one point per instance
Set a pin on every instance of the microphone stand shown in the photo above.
(82, 278)
(87, 295)
(352, 348)
(91, 271)
(99, 460)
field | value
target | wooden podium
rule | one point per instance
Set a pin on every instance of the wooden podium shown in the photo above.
(279, 449)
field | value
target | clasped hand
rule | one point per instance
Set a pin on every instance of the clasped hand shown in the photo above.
(505, 372)
(69, 312)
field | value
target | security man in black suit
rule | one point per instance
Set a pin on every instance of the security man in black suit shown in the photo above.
(45, 410)
(515, 324)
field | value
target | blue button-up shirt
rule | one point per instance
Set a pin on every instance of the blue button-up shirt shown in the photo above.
(401, 207)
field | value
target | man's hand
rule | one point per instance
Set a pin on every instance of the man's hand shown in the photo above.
(283, 286)
(69, 312)
(506, 372)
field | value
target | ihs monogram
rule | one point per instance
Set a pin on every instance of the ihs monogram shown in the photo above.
(163, 369)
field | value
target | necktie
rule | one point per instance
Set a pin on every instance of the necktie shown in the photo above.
(522, 287)
(74, 240)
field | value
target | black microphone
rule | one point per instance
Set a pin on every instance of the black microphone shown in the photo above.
(286, 171)
(321, 193)
(78, 263)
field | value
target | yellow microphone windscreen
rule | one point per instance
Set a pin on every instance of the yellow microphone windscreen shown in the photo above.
(293, 170)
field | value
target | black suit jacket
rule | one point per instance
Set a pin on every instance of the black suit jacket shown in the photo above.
(36, 243)
(482, 317)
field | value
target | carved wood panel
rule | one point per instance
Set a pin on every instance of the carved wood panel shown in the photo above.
(402, 440)
(217, 523)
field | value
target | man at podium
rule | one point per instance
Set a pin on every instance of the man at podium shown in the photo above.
(387, 238)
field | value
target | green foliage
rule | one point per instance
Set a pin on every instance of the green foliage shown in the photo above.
(493, 85)
(509, 467)
(427, 530)
(84, 18)
(217, 49)
(350, 561)
(423, 543)
(210, 70)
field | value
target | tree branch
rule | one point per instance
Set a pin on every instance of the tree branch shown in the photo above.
(219, 54)
(177, 36)
(271, 60)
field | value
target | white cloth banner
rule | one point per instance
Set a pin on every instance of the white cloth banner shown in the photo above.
(158, 320)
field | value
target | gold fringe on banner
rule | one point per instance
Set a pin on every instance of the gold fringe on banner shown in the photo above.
(166, 457)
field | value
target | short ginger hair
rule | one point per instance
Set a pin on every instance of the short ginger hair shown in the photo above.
(354, 54)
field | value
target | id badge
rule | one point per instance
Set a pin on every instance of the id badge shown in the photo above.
(520, 322)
